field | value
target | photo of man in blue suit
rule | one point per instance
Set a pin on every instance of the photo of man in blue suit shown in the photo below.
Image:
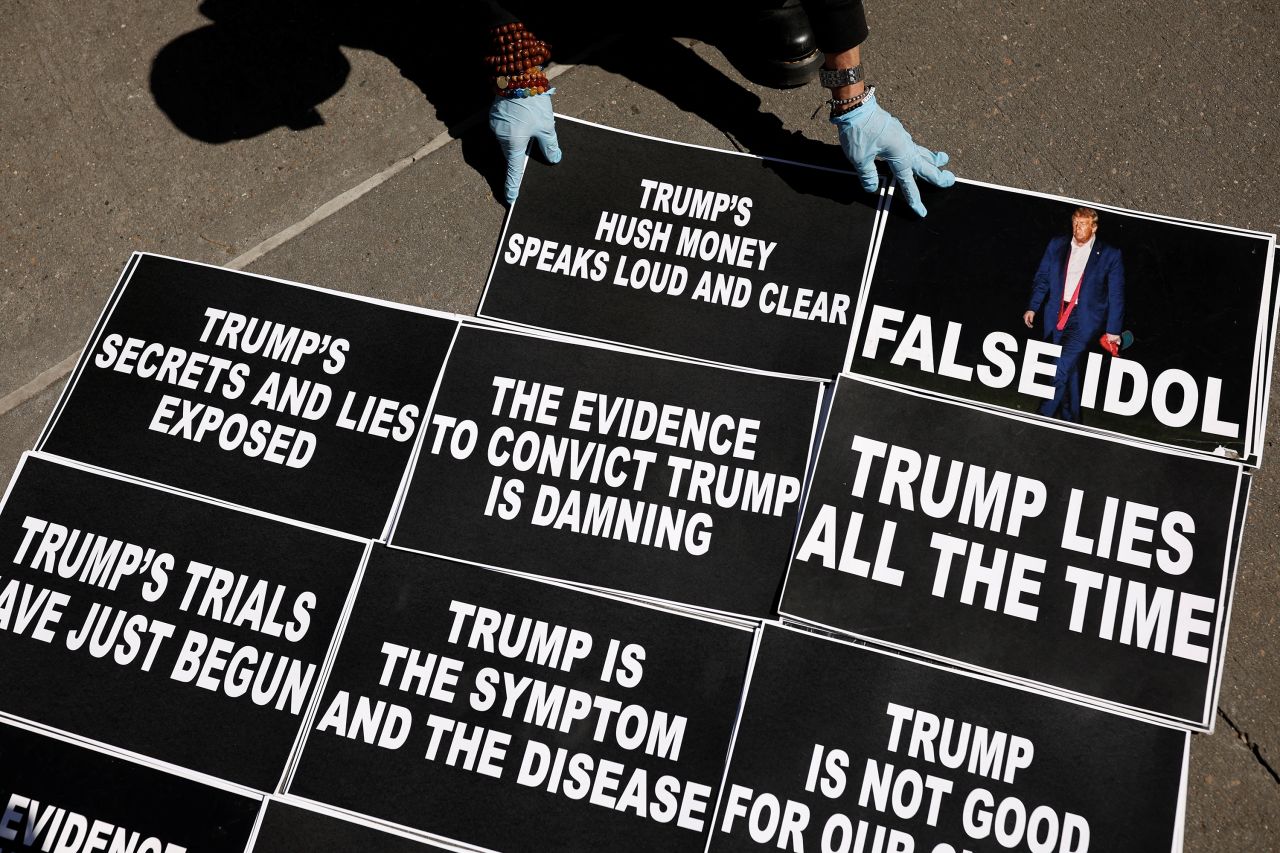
(1079, 292)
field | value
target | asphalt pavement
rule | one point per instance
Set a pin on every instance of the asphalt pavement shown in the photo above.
(346, 149)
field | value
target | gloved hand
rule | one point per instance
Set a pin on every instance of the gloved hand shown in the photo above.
(514, 121)
(869, 131)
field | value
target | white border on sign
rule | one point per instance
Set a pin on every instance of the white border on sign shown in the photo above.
(186, 493)
(106, 749)
(1036, 417)
(1267, 361)
(371, 822)
(1097, 205)
(107, 308)
(322, 677)
(257, 825)
(523, 331)
(720, 617)
(411, 464)
(868, 271)
(1051, 423)
(1241, 516)
(714, 819)
(1180, 818)
(711, 617)
(1230, 561)
(317, 808)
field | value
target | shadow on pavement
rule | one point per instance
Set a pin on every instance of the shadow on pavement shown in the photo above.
(263, 64)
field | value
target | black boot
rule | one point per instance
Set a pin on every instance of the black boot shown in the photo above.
(773, 44)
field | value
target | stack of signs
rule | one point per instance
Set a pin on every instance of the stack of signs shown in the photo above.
(1034, 473)
(193, 547)
(1088, 549)
(1083, 565)
(346, 574)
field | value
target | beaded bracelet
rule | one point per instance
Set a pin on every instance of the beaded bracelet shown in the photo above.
(517, 61)
(848, 105)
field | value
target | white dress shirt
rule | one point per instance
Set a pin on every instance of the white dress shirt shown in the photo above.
(1075, 268)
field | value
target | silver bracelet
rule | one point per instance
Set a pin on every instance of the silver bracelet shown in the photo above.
(852, 103)
(833, 78)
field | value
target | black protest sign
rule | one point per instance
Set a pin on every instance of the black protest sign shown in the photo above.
(201, 628)
(627, 471)
(287, 828)
(843, 748)
(518, 715)
(946, 307)
(285, 398)
(60, 798)
(1020, 547)
(702, 253)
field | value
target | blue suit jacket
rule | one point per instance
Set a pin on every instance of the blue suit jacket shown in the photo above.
(1100, 306)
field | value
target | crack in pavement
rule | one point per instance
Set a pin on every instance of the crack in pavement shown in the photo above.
(1243, 737)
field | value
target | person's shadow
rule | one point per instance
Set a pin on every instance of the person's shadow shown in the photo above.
(264, 64)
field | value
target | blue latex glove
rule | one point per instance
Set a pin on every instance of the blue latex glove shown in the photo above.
(515, 121)
(869, 131)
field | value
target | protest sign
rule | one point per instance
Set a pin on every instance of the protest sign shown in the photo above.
(947, 301)
(1262, 379)
(702, 253)
(845, 749)
(286, 398)
(164, 625)
(518, 715)
(615, 469)
(288, 827)
(1080, 563)
(56, 797)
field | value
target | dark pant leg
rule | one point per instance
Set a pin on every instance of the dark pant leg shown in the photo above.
(1074, 341)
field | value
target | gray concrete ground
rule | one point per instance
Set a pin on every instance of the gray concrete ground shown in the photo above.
(1165, 107)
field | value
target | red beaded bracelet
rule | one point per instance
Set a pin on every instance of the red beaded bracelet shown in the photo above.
(517, 60)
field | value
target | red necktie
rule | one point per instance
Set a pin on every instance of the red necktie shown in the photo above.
(1065, 312)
